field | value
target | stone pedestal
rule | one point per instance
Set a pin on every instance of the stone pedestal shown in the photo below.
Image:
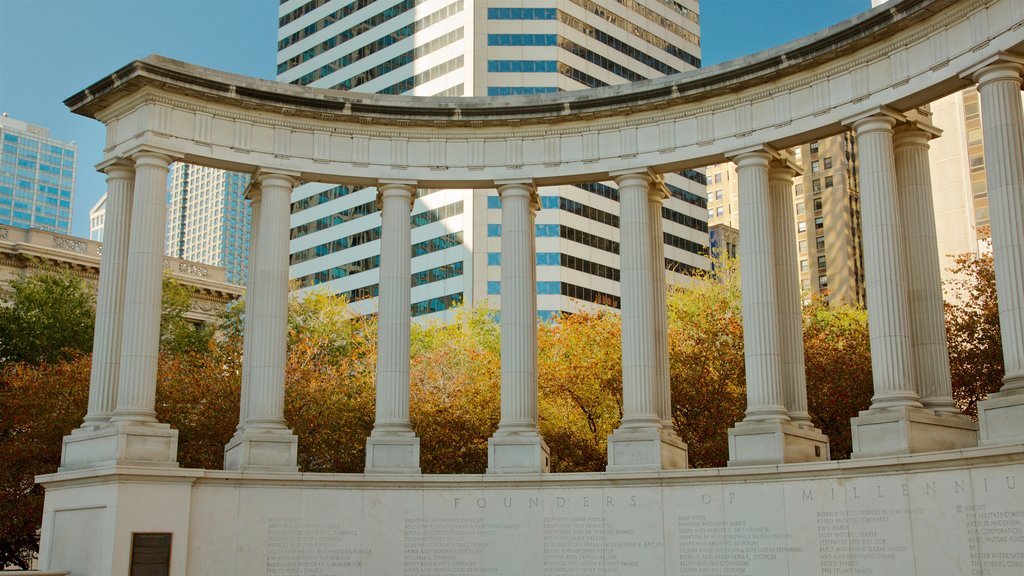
(753, 443)
(268, 450)
(392, 453)
(634, 450)
(1001, 418)
(517, 454)
(903, 430)
(120, 444)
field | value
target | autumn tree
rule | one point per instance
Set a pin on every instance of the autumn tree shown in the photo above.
(39, 404)
(972, 331)
(837, 357)
(455, 382)
(580, 382)
(706, 365)
(47, 317)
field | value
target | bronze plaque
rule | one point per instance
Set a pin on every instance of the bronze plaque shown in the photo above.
(151, 554)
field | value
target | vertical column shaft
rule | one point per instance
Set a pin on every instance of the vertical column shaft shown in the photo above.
(140, 336)
(787, 287)
(250, 297)
(639, 359)
(106, 357)
(884, 267)
(518, 309)
(1003, 125)
(927, 317)
(268, 305)
(393, 324)
(663, 392)
(758, 289)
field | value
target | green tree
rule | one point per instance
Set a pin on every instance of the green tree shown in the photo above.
(47, 317)
(178, 334)
(972, 331)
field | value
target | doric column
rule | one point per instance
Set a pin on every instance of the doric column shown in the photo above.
(140, 337)
(787, 288)
(263, 440)
(884, 266)
(637, 443)
(896, 423)
(106, 349)
(772, 327)
(999, 84)
(759, 290)
(927, 317)
(392, 446)
(250, 296)
(516, 446)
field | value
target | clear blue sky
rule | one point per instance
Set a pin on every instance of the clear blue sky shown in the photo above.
(51, 49)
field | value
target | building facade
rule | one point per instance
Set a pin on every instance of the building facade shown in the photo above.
(209, 219)
(440, 47)
(827, 205)
(37, 177)
(24, 252)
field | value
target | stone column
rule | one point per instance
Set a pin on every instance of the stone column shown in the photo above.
(673, 446)
(79, 447)
(106, 356)
(251, 288)
(896, 423)
(133, 435)
(927, 317)
(1001, 417)
(392, 446)
(637, 443)
(263, 440)
(787, 288)
(517, 446)
(772, 346)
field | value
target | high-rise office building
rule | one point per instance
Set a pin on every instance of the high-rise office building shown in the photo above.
(37, 177)
(457, 48)
(208, 218)
(827, 204)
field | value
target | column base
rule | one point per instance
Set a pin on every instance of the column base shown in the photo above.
(517, 454)
(905, 430)
(266, 450)
(120, 444)
(1001, 418)
(393, 454)
(761, 442)
(645, 449)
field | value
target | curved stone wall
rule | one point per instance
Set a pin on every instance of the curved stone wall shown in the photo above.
(916, 500)
(898, 57)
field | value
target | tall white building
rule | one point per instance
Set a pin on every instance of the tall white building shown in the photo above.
(461, 48)
(37, 177)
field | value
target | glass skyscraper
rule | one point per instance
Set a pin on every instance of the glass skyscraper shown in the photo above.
(37, 177)
(460, 48)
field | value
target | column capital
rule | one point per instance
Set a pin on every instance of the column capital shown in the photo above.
(879, 118)
(657, 191)
(1002, 66)
(527, 188)
(914, 133)
(396, 189)
(753, 155)
(156, 159)
(119, 163)
(273, 176)
(646, 175)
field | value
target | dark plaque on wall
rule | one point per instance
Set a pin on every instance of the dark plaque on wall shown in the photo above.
(151, 554)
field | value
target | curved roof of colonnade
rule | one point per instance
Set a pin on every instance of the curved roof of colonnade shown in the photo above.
(897, 56)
